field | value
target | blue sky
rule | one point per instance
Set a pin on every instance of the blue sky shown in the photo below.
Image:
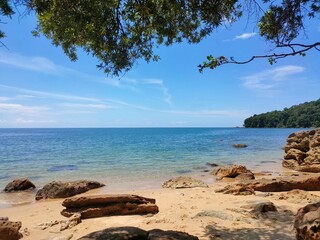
(41, 87)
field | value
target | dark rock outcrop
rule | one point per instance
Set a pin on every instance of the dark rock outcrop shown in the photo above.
(134, 233)
(302, 151)
(232, 171)
(274, 185)
(157, 234)
(10, 230)
(240, 145)
(20, 184)
(109, 205)
(117, 233)
(307, 222)
(66, 189)
(184, 182)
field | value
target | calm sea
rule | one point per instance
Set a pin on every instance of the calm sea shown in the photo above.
(125, 158)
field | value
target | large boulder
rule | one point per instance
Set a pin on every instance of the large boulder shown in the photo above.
(273, 185)
(157, 234)
(117, 233)
(184, 182)
(232, 171)
(302, 151)
(10, 230)
(108, 205)
(20, 184)
(134, 233)
(66, 189)
(307, 222)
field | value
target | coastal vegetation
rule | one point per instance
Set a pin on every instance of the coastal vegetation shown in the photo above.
(119, 33)
(304, 115)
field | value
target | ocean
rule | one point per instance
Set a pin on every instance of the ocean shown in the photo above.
(131, 158)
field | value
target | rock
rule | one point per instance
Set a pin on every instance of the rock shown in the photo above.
(274, 185)
(74, 220)
(134, 233)
(263, 207)
(298, 197)
(212, 164)
(291, 164)
(240, 145)
(296, 155)
(231, 171)
(307, 222)
(239, 189)
(157, 234)
(184, 182)
(20, 184)
(63, 237)
(215, 214)
(245, 176)
(302, 151)
(108, 205)
(10, 230)
(66, 189)
(117, 233)
(315, 168)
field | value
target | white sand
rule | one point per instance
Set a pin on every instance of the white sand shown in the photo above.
(198, 211)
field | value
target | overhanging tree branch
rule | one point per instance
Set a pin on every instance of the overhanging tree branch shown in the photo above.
(222, 60)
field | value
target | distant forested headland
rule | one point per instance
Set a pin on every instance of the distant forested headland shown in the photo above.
(304, 115)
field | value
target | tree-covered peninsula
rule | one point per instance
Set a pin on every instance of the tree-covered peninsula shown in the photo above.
(304, 115)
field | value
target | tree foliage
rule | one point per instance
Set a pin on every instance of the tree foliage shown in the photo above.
(119, 32)
(304, 115)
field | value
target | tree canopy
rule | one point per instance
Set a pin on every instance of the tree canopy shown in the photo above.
(118, 32)
(304, 115)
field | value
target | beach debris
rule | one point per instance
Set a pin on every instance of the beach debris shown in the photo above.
(45, 225)
(73, 221)
(4, 218)
(184, 182)
(20, 184)
(57, 189)
(109, 205)
(240, 145)
(131, 233)
(10, 230)
(302, 151)
(274, 185)
(307, 222)
(232, 171)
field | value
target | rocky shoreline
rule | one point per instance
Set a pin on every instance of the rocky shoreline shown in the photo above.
(241, 204)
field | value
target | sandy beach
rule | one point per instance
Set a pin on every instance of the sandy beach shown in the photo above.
(198, 211)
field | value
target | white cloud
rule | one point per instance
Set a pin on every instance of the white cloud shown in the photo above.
(38, 64)
(245, 36)
(160, 84)
(19, 108)
(269, 79)
(4, 99)
(94, 106)
(32, 121)
(42, 94)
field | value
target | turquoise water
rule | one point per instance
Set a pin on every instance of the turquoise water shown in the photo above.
(130, 157)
